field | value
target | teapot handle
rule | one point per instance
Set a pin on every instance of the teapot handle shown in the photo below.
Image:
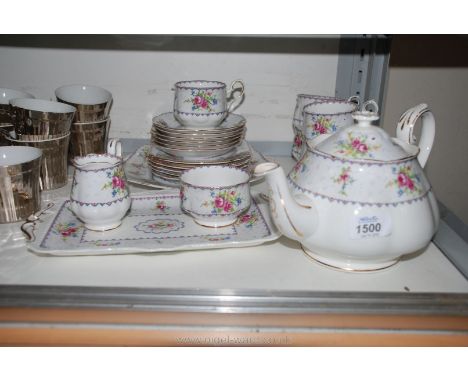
(405, 129)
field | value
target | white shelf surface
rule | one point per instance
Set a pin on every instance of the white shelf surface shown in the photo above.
(280, 265)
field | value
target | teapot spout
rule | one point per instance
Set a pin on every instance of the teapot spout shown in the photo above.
(296, 217)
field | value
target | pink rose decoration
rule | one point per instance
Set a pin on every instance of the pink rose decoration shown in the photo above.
(227, 206)
(219, 202)
(343, 177)
(245, 218)
(362, 148)
(320, 129)
(204, 104)
(298, 140)
(68, 232)
(197, 100)
(356, 143)
(118, 182)
(403, 180)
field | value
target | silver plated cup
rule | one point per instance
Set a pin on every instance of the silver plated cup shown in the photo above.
(92, 103)
(54, 166)
(40, 117)
(6, 122)
(19, 182)
(89, 138)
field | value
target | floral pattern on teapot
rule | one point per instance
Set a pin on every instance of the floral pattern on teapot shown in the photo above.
(407, 182)
(299, 168)
(344, 179)
(362, 183)
(356, 147)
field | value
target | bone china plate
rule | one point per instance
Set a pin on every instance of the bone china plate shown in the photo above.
(138, 171)
(168, 120)
(155, 223)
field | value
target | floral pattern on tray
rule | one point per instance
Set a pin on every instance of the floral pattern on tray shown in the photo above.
(147, 228)
(67, 230)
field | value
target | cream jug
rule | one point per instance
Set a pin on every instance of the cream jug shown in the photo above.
(99, 194)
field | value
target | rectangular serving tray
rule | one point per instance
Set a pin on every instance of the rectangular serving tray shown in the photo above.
(155, 223)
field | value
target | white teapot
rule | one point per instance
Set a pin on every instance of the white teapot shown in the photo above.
(358, 199)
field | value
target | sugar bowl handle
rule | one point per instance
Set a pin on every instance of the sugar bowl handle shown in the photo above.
(236, 86)
(114, 147)
(405, 129)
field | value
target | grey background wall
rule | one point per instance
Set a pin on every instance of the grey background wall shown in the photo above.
(434, 70)
(431, 69)
(140, 73)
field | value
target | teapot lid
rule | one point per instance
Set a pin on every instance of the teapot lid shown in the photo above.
(363, 141)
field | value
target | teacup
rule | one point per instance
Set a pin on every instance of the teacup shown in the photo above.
(302, 100)
(205, 103)
(327, 117)
(306, 99)
(99, 196)
(215, 196)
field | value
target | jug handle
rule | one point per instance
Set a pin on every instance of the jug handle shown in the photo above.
(114, 147)
(405, 129)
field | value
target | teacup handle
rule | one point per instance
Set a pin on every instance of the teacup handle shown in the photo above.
(405, 129)
(114, 147)
(231, 104)
(355, 99)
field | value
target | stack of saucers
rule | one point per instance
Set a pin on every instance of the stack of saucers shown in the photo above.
(177, 148)
(188, 142)
(168, 168)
